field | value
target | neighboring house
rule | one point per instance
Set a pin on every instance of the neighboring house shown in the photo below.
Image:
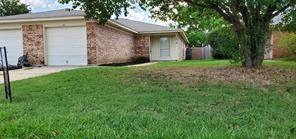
(276, 51)
(63, 37)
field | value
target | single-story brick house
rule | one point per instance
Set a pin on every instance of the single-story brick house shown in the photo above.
(64, 37)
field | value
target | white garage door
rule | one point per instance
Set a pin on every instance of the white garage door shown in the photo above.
(66, 46)
(13, 41)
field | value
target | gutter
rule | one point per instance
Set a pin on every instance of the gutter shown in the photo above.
(41, 19)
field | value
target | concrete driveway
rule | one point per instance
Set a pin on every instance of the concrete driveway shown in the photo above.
(22, 74)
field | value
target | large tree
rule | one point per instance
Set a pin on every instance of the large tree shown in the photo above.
(12, 7)
(250, 18)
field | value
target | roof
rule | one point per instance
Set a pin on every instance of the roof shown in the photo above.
(135, 26)
(144, 27)
(47, 14)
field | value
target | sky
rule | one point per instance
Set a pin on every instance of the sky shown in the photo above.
(46, 5)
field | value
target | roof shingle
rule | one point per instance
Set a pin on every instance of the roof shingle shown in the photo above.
(47, 14)
(145, 27)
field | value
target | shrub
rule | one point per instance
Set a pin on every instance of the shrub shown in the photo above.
(224, 43)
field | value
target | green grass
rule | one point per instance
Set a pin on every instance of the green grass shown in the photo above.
(110, 102)
(195, 63)
(281, 63)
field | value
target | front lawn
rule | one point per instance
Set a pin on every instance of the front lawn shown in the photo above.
(189, 99)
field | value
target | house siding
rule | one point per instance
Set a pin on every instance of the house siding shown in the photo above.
(182, 47)
(33, 43)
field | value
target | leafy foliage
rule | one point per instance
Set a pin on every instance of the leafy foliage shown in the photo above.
(289, 41)
(196, 38)
(102, 10)
(12, 7)
(288, 23)
(198, 24)
(224, 44)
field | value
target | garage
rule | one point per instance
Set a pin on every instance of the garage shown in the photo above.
(13, 41)
(66, 46)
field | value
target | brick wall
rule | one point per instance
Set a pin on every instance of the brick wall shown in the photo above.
(92, 40)
(105, 45)
(114, 46)
(33, 42)
(142, 44)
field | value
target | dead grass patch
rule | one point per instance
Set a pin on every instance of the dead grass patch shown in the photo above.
(265, 76)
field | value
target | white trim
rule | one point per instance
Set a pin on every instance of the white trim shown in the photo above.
(10, 28)
(45, 45)
(170, 31)
(150, 50)
(41, 19)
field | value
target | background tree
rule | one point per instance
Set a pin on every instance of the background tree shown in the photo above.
(198, 23)
(286, 21)
(224, 44)
(12, 7)
(250, 19)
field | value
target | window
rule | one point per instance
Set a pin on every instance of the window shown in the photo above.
(164, 46)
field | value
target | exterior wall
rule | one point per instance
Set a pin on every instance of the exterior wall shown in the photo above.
(92, 39)
(33, 43)
(114, 46)
(105, 44)
(34, 36)
(182, 48)
(155, 49)
(142, 45)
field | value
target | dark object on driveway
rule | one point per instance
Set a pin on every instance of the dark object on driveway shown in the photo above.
(23, 61)
(10, 67)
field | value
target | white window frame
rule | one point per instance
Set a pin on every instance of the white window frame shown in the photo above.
(168, 48)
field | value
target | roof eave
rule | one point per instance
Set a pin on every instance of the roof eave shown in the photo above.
(41, 19)
(122, 26)
(182, 33)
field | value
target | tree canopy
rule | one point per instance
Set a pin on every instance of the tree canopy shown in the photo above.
(250, 19)
(12, 7)
(198, 24)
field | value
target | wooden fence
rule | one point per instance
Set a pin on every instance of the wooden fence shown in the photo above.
(199, 53)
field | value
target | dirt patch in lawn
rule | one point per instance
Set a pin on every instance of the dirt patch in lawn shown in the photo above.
(264, 76)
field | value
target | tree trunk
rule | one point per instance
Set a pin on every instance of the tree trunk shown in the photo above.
(252, 42)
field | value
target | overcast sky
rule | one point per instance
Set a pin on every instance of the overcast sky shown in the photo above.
(46, 5)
